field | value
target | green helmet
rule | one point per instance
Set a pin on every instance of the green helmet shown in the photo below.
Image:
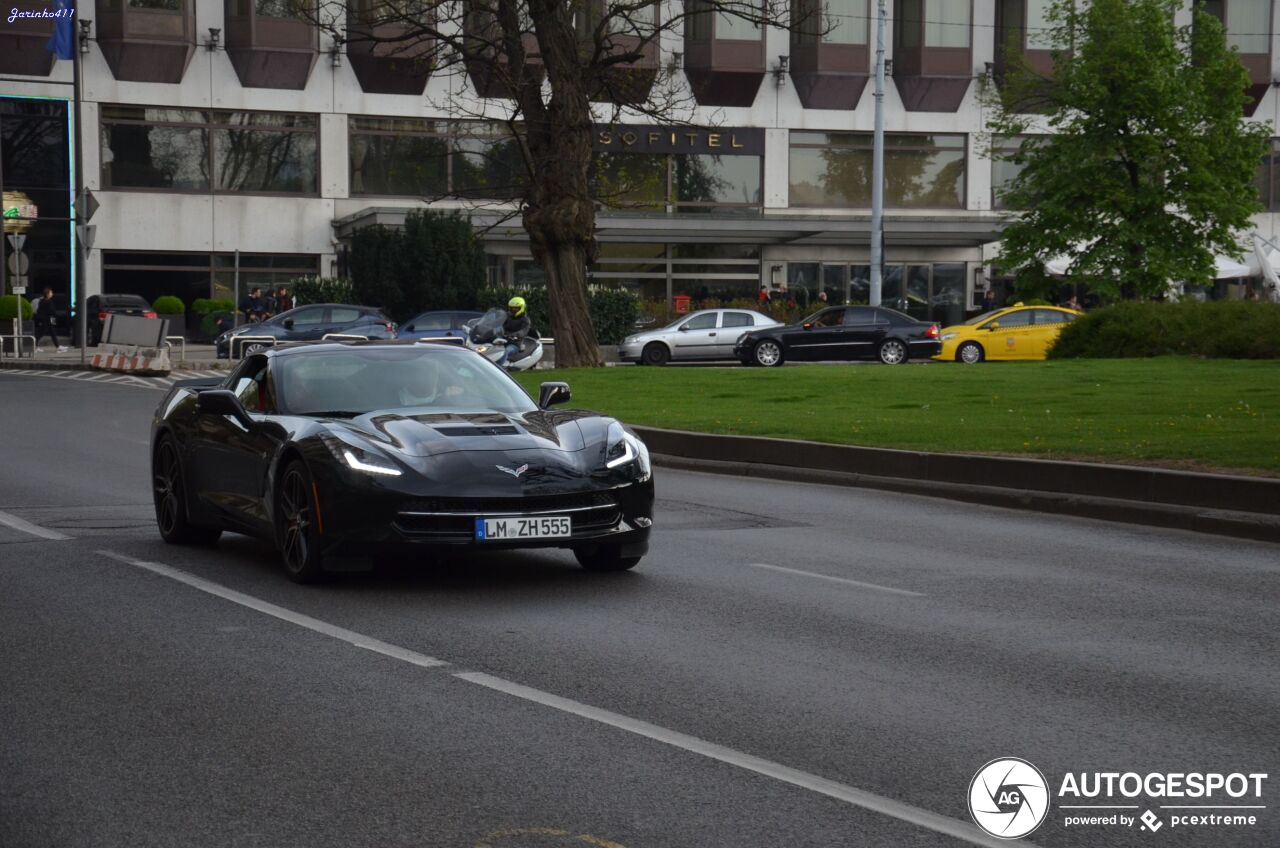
(517, 306)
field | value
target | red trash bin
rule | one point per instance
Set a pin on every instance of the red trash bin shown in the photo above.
(682, 303)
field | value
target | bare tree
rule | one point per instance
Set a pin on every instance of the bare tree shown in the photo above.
(550, 71)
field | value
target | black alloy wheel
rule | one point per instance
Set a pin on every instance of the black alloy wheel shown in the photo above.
(170, 500)
(655, 353)
(297, 531)
(892, 352)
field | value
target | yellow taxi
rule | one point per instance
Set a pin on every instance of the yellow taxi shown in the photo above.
(1014, 332)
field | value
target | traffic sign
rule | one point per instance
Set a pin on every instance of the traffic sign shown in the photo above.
(86, 205)
(19, 289)
(19, 263)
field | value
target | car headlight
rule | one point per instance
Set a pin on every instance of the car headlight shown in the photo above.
(946, 336)
(362, 460)
(622, 449)
(481, 348)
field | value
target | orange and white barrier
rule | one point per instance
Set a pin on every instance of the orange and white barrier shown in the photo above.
(132, 359)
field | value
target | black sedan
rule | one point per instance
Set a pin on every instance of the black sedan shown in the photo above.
(842, 332)
(308, 323)
(336, 451)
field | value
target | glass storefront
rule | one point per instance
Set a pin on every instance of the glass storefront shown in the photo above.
(194, 275)
(927, 292)
(34, 146)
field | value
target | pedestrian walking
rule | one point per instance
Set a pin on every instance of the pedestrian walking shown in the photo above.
(46, 320)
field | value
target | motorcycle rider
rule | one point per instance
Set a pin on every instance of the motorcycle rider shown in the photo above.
(515, 328)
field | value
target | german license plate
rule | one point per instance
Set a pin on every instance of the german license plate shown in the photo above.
(540, 527)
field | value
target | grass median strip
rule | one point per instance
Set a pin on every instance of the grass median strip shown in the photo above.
(1176, 412)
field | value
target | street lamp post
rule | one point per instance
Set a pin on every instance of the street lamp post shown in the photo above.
(877, 168)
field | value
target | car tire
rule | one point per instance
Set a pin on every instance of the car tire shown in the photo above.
(767, 354)
(169, 495)
(970, 353)
(655, 353)
(604, 558)
(892, 352)
(297, 531)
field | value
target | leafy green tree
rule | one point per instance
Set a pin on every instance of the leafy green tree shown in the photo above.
(435, 262)
(1144, 168)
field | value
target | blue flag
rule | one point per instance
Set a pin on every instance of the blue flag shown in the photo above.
(63, 40)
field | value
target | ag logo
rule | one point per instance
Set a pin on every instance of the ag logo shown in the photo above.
(1008, 798)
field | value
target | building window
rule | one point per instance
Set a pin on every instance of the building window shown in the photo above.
(832, 21)
(946, 23)
(193, 275)
(834, 170)
(1003, 171)
(232, 152)
(408, 157)
(1247, 22)
(1268, 180)
(701, 20)
(908, 16)
(681, 182)
(1039, 27)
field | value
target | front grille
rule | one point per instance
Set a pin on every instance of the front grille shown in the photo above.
(453, 519)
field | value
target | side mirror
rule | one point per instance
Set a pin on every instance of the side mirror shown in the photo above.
(684, 328)
(994, 325)
(410, 328)
(223, 402)
(550, 394)
(808, 325)
(288, 323)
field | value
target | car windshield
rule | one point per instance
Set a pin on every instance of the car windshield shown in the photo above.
(357, 381)
(984, 316)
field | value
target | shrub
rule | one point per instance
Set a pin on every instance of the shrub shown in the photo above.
(435, 262)
(8, 308)
(1228, 329)
(204, 305)
(323, 290)
(169, 305)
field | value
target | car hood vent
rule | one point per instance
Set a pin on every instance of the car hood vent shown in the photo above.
(507, 430)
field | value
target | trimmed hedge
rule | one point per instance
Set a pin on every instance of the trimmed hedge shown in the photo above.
(169, 305)
(613, 311)
(321, 290)
(7, 308)
(1224, 329)
(204, 305)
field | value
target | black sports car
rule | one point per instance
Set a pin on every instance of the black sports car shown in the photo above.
(842, 332)
(336, 450)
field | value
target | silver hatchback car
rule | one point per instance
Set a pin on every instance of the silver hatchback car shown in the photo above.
(703, 335)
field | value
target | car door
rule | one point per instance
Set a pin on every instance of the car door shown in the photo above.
(1009, 335)
(863, 329)
(820, 337)
(733, 325)
(305, 323)
(1046, 325)
(228, 461)
(696, 337)
(345, 320)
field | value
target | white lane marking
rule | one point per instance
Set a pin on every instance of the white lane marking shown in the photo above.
(34, 529)
(851, 795)
(845, 580)
(767, 768)
(349, 636)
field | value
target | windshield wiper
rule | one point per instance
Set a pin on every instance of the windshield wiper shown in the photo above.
(331, 413)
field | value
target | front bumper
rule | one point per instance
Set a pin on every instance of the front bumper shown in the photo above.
(630, 352)
(621, 515)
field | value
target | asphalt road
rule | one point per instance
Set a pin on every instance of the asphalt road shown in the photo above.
(792, 665)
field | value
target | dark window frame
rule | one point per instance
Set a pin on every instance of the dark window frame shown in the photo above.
(853, 141)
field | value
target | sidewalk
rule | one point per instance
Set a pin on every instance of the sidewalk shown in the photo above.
(196, 357)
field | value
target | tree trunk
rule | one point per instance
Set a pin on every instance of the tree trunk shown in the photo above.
(565, 266)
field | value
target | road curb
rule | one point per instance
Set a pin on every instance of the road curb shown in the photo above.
(1243, 507)
(37, 365)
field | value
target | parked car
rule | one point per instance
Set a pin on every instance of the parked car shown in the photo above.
(437, 324)
(1015, 332)
(703, 335)
(97, 307)
(312, 322)
(842, 333)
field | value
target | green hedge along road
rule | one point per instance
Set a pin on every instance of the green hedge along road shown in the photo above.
(1177, 412)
